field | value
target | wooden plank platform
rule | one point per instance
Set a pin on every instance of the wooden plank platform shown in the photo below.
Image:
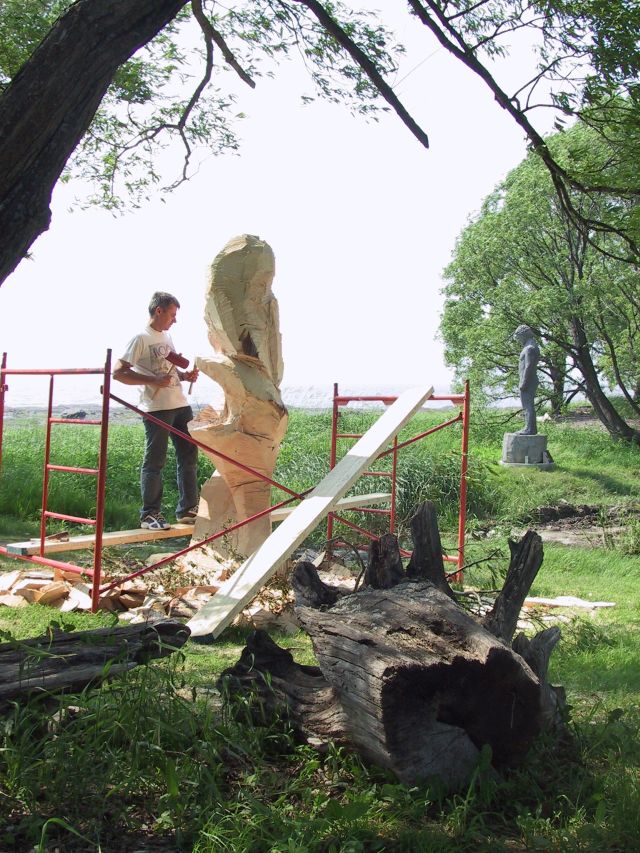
(126, 537)
(242, 586)
(117, 537)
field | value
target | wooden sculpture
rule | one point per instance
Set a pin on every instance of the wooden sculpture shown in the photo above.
(242, 318)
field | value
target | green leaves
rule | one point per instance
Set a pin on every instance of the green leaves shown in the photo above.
(523, 260)
(176, 94)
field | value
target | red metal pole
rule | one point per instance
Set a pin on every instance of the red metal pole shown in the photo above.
(3, 388)
(422, 435)
(101, 485)
(462, 518)
(394, 478)
(45, 475)
(47, 561)
(334, 450)
(205, 447)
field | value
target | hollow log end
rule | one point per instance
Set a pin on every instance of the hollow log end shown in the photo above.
(309, 590)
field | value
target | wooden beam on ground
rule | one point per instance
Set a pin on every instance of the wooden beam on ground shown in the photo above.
(242, 586)
(126, 537)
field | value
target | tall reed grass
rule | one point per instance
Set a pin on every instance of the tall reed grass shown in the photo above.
(590, 469)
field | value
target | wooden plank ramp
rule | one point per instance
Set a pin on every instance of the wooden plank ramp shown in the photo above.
(126, 537)
(242, 586)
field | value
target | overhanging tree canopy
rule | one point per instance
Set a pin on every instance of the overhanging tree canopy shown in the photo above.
(101, 81)
(522, 261)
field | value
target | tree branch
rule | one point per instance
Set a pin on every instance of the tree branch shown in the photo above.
(359, 56)
(212, 35)
(453, 41)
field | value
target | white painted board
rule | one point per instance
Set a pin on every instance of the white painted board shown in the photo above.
(243, 585)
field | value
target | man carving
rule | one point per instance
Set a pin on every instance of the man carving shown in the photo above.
(528, 377)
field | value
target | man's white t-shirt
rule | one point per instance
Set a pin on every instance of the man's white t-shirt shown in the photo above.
(146, 353)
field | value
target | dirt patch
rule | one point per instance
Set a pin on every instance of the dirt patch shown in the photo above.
(581, 418)
(582, 525)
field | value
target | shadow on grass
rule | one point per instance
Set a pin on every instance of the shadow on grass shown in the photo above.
(606, 481)
(600, 659)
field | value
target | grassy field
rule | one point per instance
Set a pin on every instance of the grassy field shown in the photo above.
(153, 762)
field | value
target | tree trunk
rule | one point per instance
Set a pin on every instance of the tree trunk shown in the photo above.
(604, 409)
(557, 374)
(408, 677)
(426, 562)
(526, 559)
(51, 102)
(60, 661)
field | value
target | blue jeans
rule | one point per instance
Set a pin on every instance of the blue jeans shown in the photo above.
(155, 456)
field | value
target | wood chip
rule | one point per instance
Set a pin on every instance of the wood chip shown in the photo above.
(131, 600)
(29, 594)
(10, 600)
(8, 579)
(52, 592)
(77, 600)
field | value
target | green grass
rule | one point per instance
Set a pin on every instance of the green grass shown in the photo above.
(593, 469)
(173, 766)
(153, 757)
(33, 621)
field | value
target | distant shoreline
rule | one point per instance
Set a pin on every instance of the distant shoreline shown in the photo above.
(121, 415)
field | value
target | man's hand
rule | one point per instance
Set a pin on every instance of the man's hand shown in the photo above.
(161, 381)
(190, 375)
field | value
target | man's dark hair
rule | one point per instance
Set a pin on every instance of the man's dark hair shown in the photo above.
(163, 300)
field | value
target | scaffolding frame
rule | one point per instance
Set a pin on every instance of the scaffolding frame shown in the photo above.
(100, 472)
(462, 400)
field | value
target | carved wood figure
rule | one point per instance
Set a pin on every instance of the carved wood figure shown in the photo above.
(243, 327)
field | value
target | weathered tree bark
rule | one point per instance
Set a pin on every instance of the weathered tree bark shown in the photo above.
(51, 102)
(242, 315)
(294, 691)
(384, 567)
(426, 561)
(526, 559)
(62, 661)
(537, 653)
(309, 590)
(413, 681)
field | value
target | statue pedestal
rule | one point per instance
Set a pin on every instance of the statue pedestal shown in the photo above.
(526, 451)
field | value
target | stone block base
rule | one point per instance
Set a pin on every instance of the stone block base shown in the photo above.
(526, 450)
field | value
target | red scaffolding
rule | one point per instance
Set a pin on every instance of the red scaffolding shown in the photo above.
(461, 400)
(95, 572)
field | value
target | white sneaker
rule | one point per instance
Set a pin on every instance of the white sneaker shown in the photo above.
(155, 521)
(188, 516)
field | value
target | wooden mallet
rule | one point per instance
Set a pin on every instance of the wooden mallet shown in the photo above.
(180, 361)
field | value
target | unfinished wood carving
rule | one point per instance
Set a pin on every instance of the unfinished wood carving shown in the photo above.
(242, 317)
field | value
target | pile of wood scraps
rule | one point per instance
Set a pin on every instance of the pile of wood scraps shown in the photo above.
(38, 586)
(177, 591)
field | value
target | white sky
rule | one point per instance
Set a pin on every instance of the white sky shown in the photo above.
(361, 218)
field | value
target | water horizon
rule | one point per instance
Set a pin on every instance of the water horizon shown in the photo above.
(32, 392)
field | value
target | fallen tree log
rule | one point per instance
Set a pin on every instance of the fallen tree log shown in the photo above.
(71, 661)
(405, 674)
